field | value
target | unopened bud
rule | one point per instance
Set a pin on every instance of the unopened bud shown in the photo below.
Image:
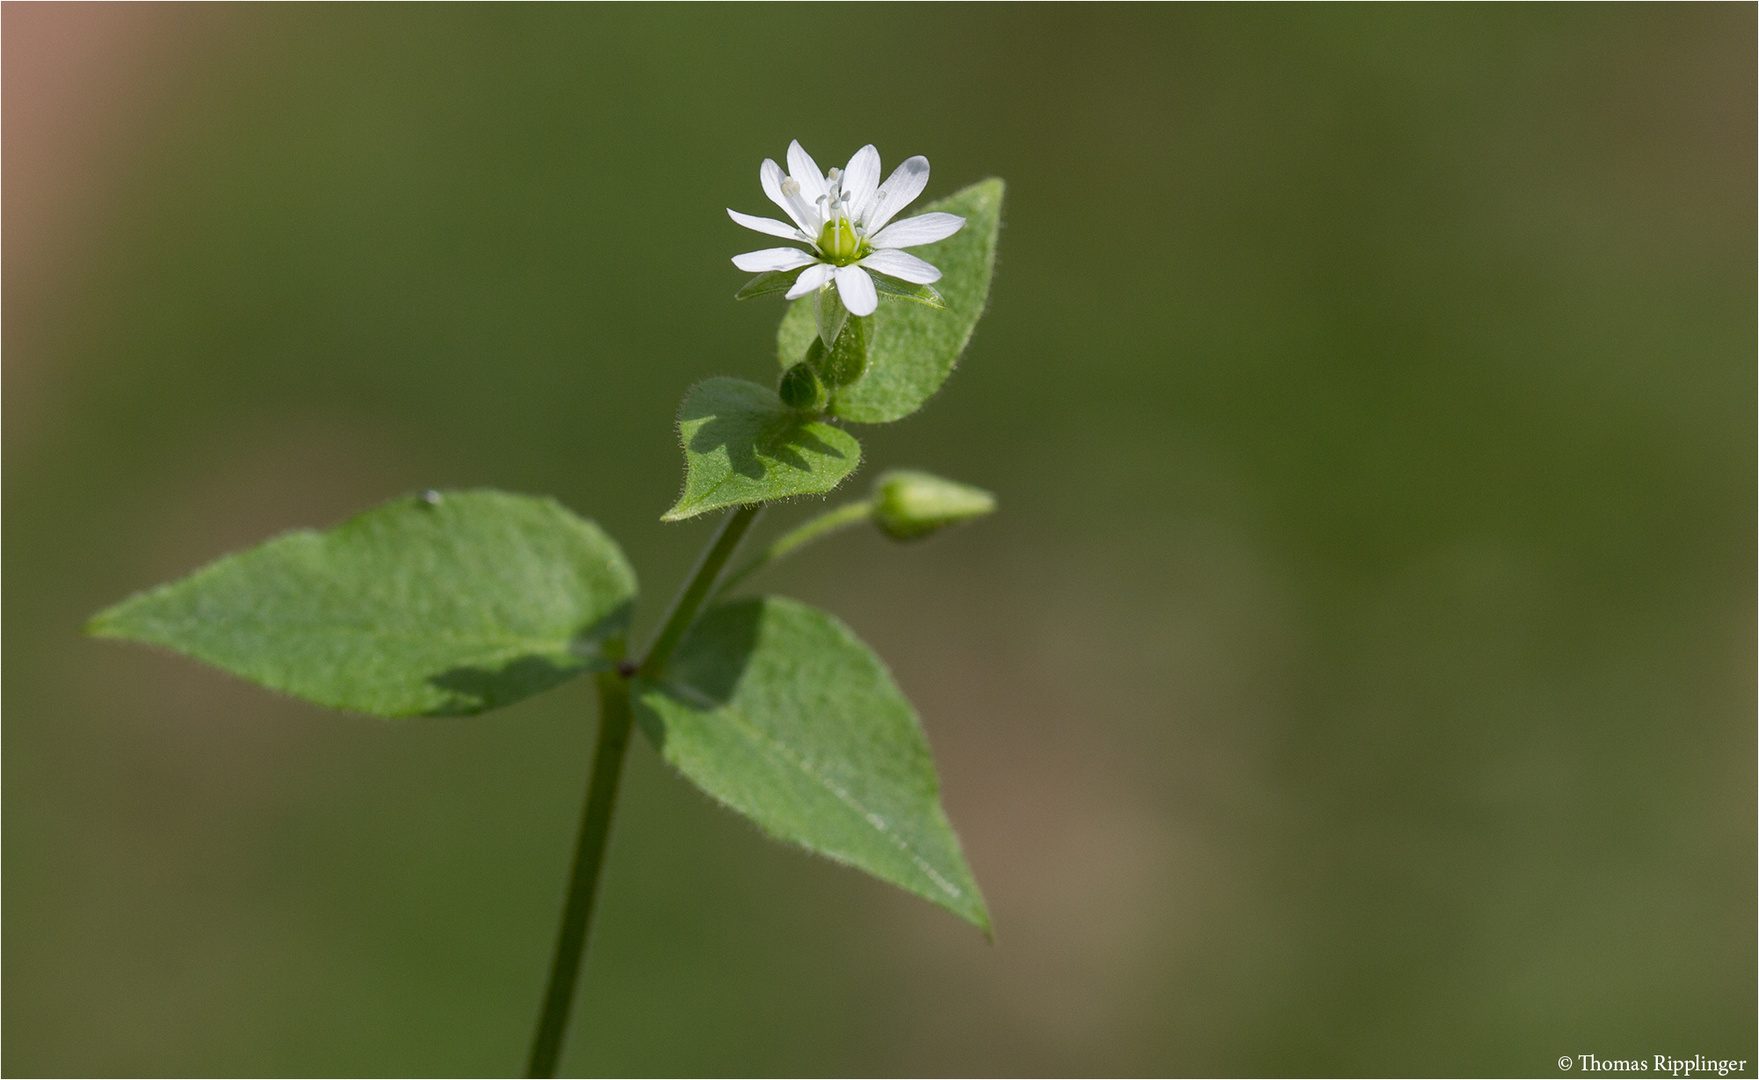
(908, 505)
(801, 390)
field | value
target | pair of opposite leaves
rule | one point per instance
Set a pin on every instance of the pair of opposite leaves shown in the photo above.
(458, 603)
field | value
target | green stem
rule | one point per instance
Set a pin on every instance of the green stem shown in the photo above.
(589, 856)
(615, 719)
(690, 598)
(826, 523)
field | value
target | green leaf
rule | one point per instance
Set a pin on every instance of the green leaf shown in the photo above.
(743, 445)
(777, 710)
(912, 347)
(436, 604)
(774, 281)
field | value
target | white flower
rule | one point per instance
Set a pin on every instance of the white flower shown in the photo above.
(843, 220)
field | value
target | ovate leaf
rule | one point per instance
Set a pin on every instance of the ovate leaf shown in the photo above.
(450, 603)
(777, 710)
(743, 445)
(912, 347)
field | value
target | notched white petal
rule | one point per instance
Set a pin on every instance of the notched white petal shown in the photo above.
(805, 171)
(762, 262)
(772, 177)
(899, 191)
(766, 225)
(921, 229)
(857, 290)
(810, 279)
(861, 180)
(903, 266)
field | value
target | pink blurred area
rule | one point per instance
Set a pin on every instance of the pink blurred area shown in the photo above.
(78, 81)
(83, 85)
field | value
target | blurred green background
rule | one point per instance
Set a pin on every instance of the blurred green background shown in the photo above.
(1358, 679)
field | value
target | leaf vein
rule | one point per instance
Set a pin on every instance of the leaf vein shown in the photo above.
(779, 749)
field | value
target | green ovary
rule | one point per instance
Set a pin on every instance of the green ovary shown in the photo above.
(840, 243)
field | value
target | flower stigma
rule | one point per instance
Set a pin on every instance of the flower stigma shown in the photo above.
(841, 241)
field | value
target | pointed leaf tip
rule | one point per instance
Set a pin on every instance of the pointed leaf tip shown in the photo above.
(778, 710)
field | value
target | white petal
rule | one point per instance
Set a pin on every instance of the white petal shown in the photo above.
(921, 229)
(771, 176)
(762, 262)
(903, 266)
(899, 191)
(811, 278)
(766, 225)
(805, 171)
(856, 289)
(861, 180)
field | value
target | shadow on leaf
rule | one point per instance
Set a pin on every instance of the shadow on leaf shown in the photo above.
(710, 662)
(476, 689)
(479, 689)
(750, 436)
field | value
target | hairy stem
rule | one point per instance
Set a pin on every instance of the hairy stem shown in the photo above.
(615, 719)
(589, 857)
(696, 590)
(817, 528)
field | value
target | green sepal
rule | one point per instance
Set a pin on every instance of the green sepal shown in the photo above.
(828, 313)
(743, 445)
(780, 712)
(912, 348)
(438, 604)
(844, 362)
(886, 285)
(774, 281)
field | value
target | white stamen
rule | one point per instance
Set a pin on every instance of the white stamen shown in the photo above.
(810, 218)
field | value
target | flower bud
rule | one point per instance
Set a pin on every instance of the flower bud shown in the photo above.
(800, 389)
(908, 505)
